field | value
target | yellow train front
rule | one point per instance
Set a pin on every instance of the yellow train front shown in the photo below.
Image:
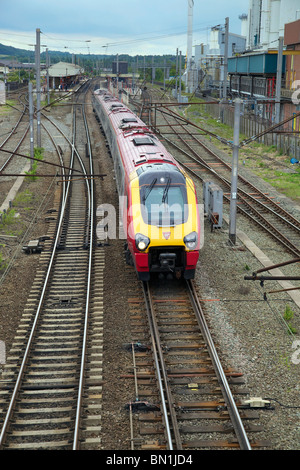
(163, 223)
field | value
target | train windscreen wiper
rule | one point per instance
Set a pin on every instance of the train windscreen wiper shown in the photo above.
(166, 190)
(150, 189)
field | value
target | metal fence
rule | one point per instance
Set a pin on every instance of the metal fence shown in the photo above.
(253, 125)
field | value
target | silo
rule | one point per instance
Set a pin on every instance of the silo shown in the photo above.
(254, 23)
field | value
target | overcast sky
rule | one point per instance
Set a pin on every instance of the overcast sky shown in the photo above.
(145, 27)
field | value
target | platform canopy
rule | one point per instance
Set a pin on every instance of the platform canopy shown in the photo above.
(64, 75)
(64, 69)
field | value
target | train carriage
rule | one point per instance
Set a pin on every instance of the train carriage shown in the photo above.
(159, 206)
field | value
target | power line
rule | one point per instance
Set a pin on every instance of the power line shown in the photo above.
(100, 42)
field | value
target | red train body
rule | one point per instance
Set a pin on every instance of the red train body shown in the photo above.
(159, 207)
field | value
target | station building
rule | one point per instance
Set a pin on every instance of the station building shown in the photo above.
(64, 75)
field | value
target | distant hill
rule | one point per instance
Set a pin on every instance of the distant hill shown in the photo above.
(9, 52)
(22, 55)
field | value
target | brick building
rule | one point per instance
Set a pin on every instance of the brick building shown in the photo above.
(292, 75)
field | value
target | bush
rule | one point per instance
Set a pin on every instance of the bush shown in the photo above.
(38, 154)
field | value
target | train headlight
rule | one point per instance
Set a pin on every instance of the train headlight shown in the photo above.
(141, 241)
(191, 240)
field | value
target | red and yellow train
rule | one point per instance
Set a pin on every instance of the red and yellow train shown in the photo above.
(159, 206)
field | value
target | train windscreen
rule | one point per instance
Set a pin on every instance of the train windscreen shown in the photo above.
(164, 204)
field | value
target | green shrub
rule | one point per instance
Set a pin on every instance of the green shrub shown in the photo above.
(38, 154)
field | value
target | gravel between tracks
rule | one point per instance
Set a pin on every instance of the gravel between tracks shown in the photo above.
(248, 331)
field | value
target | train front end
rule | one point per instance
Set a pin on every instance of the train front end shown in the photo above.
(163, 222)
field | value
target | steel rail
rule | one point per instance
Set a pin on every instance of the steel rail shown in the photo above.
(66, 189)
(287, 218)
(59, 153)
(272, 230)
(262, 222)
(170, 400)
(158, 363)
(33, 328)
(45, 162)
(13, 152)
(91, 243)
(211, 134)
(232, 408)
(90, 225)
(15, 126)
(4, 165)
(63, 189)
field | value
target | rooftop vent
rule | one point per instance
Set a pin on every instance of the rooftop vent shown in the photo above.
(116, 106)
(143, 141)
(129, 119)
(140, 159)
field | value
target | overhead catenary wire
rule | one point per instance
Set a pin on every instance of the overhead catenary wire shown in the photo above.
(272, 307)
(61, 41)
(38, 160)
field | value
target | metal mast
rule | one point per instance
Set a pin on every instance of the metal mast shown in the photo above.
(38, 85)
(189, 78)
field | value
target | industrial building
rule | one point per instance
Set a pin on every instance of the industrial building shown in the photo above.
(266, 21)
(263, 66)
(209, 58)
(289, 95)
(253, 77)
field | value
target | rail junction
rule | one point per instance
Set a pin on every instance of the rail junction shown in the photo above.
(51, 387)
(44, 407)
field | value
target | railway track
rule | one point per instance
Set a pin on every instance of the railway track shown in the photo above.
(50, 397)
(9, 144)
(253, 203)
(197, 404)
(193, 406)
(205, 165)
(48, 402)
(10, 149)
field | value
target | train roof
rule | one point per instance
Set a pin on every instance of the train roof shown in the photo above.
(137, 142)
(147, 172)
(153, 167)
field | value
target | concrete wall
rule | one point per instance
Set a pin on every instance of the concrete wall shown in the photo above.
(2, 93)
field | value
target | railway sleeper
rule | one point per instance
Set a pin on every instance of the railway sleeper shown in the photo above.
(201, 429)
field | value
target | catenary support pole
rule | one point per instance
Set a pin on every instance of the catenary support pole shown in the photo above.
(234, 171)
(47, 67)
(224, 91)
(179, 98)
(176, 80)
(38, 85)
(278, 80)
(31, 122)
(225, 58)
